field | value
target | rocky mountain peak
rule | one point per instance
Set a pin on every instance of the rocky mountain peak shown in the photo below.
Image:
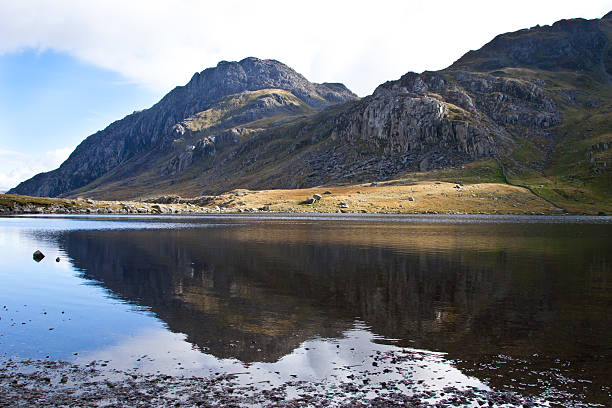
(575, 44)
(141, 131)
(251, 74)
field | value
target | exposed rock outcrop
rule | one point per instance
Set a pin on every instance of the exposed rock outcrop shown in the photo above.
(575, 44)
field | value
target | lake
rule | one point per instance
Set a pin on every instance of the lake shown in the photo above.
(388, 305)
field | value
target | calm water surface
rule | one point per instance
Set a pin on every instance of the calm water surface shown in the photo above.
(510, 303)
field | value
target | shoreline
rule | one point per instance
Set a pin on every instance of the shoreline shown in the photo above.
(431, 197)
(60, 383)
(417, 218)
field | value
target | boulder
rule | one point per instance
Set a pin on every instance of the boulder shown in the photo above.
(38, 256)
(160, 209)
(317, 197)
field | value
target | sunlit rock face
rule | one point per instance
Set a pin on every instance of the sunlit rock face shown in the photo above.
(434, 120)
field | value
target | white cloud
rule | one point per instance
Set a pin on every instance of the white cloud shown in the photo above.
(17, 166)
(160, 44)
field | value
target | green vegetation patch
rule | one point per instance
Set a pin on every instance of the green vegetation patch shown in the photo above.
(12, 200)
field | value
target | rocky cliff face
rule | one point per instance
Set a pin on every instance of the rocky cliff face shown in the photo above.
(440, 119)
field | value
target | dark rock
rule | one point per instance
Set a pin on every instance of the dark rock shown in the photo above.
(160, 209)
(38, 256)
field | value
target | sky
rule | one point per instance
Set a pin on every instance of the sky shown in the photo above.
(68, 68)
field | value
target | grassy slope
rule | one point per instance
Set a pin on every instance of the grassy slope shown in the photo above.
(9, 200)
(569, 170)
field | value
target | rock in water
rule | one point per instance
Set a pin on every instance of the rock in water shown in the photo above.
(38, 256)
(57, 259)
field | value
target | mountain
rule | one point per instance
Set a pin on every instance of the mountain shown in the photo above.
(142, 132)
(532, 107)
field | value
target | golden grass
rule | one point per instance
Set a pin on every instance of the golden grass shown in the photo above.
(427, 197)
(388, 197)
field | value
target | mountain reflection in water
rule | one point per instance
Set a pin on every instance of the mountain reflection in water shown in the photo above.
(508, 303)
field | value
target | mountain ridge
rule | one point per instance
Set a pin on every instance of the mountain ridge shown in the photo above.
(140, 130)
(526, 99)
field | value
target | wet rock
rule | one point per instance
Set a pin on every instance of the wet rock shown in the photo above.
(317, 197)
(57, 259)
(38, 256)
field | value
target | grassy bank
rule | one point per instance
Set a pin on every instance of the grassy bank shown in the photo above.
(405, 195)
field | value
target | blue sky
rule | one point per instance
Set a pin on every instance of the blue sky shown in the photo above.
(50, 102)
(70, 67)
(61, 99)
